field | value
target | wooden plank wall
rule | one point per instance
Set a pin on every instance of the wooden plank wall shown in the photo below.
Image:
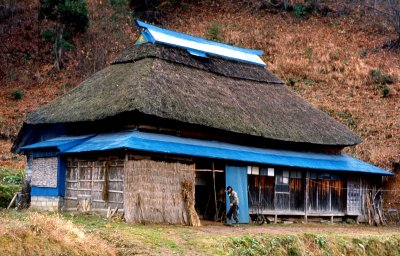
(311, 193)
(325, 195)
(264, 186)
(296, 194)
(85, 181)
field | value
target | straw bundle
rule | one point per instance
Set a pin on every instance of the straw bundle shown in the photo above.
(188, 198)
(153, 192)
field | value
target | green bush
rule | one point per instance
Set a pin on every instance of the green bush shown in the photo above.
(300, 10)
(380, 78)
(214, 32)
(48, 35)
(385, 91)
(12, 179)
(351, 122)
(7, 193)
(17, 94)
(66, 45)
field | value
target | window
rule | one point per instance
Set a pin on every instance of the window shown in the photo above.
(282, 177)
(295, 175)
(267, 172)
(253, 170)
(282, 181)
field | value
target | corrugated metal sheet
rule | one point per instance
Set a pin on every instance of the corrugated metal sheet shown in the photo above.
(168, 144)
(199, 46)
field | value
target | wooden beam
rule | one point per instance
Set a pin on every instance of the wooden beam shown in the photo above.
(306, 198)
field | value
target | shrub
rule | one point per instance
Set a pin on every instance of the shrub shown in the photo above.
(48, 35)
(380, 78)
(291, 81)
(214, 32)
(7, 193)
(309, 53)
(300, 10)
(351, 122)
(385, 91)
(12, 179)
(17, 94)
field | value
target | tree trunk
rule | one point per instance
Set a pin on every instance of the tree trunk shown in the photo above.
(57, 46)
(285, 4)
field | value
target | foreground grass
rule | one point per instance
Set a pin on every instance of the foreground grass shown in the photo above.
(34, 233)
(31, 233)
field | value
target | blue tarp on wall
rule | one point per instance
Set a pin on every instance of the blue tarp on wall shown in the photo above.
(236, 177)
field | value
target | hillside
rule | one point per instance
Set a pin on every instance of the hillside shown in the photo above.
(335, 62)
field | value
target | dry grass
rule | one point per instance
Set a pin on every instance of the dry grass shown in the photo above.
(41, 234)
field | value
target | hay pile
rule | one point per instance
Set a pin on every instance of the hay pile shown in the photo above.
(153, 192)
(188, 198)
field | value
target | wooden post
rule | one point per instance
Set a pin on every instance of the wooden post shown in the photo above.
(215, 191)
(331, 219)
(276, 219)
(306, 199)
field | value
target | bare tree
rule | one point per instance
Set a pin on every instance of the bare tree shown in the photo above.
(391, 10)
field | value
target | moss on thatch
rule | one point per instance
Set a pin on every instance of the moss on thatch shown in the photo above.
(162, 88)
(212, 64)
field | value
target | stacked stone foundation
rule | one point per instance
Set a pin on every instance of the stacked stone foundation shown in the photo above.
(47, 203)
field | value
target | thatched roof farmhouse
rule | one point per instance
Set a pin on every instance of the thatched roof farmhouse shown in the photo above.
(190, 116)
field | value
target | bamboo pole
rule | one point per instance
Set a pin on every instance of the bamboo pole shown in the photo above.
(12, 200)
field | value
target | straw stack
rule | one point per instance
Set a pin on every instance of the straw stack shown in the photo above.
(153, 192)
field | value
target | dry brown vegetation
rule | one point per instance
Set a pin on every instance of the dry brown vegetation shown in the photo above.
(327, 60)
(40, 234)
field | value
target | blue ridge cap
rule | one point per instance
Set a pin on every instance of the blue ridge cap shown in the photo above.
(198, 45)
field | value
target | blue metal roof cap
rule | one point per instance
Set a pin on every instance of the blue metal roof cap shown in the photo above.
(168, 144)
(199, 46)
(59, 143)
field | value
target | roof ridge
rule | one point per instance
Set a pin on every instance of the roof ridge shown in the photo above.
(216, 65)
(198, 46)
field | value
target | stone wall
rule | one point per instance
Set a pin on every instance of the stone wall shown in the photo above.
(44, 172)
(28, 170)
(47, 203)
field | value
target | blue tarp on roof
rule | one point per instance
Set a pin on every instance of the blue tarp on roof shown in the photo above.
(59, 143)
(199, 46)
(168, 144)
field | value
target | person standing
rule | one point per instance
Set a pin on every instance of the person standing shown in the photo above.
(234, 205)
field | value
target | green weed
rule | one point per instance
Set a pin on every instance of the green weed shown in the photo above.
(214, 32)
(17, 94)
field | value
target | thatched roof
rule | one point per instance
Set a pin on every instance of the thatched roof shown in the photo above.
(169, 83)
